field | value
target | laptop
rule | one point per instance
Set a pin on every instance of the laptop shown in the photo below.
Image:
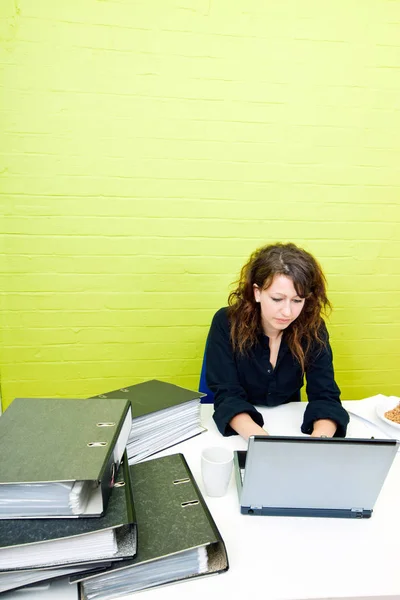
(312, 477)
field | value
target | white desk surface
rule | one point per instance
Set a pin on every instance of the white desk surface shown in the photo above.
(292, 558)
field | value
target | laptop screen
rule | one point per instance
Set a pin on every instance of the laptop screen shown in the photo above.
(315, 473)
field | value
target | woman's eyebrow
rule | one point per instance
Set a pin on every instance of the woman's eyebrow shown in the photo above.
(285, 296)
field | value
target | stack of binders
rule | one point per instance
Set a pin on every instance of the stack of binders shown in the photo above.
(66, 501)
(148, 526)
(163, 414)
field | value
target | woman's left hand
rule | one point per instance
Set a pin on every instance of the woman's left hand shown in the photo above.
(324, 427)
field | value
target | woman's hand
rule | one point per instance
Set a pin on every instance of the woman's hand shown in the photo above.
(324, 427)
(244, 425)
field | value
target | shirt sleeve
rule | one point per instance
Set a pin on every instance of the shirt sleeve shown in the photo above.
(322, 391)
(222, 378)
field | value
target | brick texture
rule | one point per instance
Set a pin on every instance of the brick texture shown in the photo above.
(148, 147)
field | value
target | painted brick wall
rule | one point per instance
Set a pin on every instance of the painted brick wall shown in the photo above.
(149, 146)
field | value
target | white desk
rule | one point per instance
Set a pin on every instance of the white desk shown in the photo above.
(295, 558)
(281, 558)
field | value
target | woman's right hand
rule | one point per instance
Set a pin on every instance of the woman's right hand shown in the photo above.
(244, 425)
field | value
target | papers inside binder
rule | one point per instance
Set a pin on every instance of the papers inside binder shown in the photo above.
(153, 432)
(15, 579)
(146, 575)
(97, 545)
(59, 499)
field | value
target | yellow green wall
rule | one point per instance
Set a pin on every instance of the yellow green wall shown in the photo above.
(149, 146)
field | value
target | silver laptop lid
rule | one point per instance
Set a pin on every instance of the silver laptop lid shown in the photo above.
(320, 473)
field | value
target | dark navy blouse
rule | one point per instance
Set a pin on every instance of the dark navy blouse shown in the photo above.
(241, 381)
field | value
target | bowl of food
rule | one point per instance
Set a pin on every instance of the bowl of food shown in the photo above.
(388, 410)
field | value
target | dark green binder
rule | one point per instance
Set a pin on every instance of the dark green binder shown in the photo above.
(172, 517)
(153, 395)
(46, 440)
(120, 516)
(163, 415)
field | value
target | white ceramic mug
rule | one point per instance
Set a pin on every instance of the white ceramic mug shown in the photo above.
(216, 469)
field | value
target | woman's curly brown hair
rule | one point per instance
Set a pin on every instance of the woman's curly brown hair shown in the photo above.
(309, 282)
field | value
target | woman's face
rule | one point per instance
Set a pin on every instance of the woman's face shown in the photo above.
(280, 304)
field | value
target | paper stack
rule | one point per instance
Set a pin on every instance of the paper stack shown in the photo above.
(163, 414)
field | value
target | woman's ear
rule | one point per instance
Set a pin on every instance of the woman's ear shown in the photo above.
(257, 292)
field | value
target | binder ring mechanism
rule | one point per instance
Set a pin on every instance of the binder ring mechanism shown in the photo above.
(97, 444)
(189, 502)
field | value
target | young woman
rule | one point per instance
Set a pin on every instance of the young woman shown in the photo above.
(272, 334)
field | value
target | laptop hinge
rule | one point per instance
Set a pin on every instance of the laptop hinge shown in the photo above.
(358, 512)
(252, 507)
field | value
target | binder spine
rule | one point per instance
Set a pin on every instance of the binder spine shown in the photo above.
(110, 468)
(205, 509)
(128, 489)
(120, 426)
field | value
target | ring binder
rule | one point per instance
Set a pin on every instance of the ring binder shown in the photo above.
(163, 414)
(53, 462)
(172, 545)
